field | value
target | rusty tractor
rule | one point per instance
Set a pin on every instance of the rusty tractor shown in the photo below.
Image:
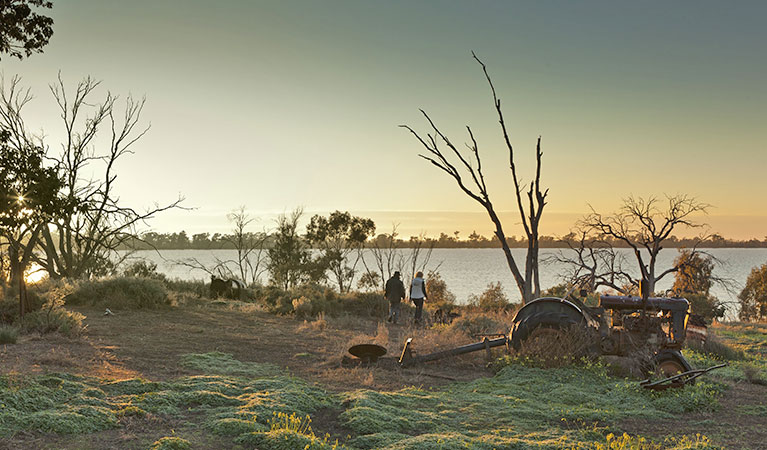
(621, 325)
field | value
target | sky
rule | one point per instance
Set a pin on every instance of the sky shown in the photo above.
(285, 104)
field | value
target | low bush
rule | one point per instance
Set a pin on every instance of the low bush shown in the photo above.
(197, 287)
(8, 334)
(492, 299)
(9, 303)
(120, 293)
(55, 319)
(311, 300)
(479, 323)
(142, 269)
(171, 443)
(714, 347)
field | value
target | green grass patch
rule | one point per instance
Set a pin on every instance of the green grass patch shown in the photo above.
(524, 399)
(259, 406)
(171, 443)
(230, 405)
(8, 334)
(225, 364)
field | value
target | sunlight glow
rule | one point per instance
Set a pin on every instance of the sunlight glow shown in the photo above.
(35, 274)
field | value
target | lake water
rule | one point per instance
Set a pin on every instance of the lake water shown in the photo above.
(469, 271)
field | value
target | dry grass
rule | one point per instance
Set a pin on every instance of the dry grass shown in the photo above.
(556, 348)
(319, 324)
(753, 374)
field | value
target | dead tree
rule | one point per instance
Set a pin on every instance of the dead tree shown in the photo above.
(592, 263)
(441, 150)
(643, 225)
(83, 240)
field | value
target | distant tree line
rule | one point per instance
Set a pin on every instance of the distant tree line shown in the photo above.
(208, 241)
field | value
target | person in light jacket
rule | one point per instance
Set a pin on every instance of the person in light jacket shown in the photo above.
(418, 295)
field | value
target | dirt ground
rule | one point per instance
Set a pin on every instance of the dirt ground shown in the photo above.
(148, 344)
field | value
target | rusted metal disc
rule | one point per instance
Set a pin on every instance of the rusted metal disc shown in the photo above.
(367, 352)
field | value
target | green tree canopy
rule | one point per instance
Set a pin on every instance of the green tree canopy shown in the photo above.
(337, 236)
(23, 31)
(753, 297)
(29, 199)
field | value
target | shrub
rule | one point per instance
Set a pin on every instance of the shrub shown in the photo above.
(171, 443)
(439, 296)
(121, 292)
(142, 269)
(713, 346)
(366, 304)
(369, 282)
(560, 290)
(196, 287)
(276, 300)
(474, 324)
(9, 304)
(753, 374)
(8, 334)
(492, 299)
(57, 319)
(705, 305)
(753, 297)
(53, 317)
(302, 307)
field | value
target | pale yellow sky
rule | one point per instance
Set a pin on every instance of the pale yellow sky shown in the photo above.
(275, 105)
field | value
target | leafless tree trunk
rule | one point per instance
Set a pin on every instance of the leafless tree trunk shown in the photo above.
(592, 263)
(84, 240)
(386, 258)
(530, 213)
(643, 225)
(250, 247)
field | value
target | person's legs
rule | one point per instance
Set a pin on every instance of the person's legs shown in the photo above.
(418, 302)
(394, 309)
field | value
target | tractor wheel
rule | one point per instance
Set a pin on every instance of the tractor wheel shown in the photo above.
(669, 363)
(549, 326)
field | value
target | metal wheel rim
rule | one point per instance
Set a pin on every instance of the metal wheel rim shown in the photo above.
(669, 368)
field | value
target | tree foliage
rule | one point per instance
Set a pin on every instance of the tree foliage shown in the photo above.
(29, 198)
(82, 241)
(693, 281)
(290, 258)
(22, 30)
(337, 236)
(753, 297)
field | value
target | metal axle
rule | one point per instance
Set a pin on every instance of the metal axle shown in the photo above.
(407, 359)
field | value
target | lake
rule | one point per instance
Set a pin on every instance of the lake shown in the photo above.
(468, 271)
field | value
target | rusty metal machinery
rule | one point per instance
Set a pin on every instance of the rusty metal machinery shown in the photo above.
(620, 325)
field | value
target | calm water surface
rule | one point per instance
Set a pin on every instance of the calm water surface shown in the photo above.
(469, 271)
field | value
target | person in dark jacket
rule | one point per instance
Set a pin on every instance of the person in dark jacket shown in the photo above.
(395, 292)
(418, 294)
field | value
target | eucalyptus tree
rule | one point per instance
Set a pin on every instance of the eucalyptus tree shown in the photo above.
(340, 236)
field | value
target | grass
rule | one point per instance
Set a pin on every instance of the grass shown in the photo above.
(743, 346)
(8, 334)
(230, 405)
(529, 401)
(171, 443)
(120, 293)
(261, 406)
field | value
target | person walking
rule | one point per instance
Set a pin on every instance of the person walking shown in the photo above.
(418, 295)
(394, 292)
